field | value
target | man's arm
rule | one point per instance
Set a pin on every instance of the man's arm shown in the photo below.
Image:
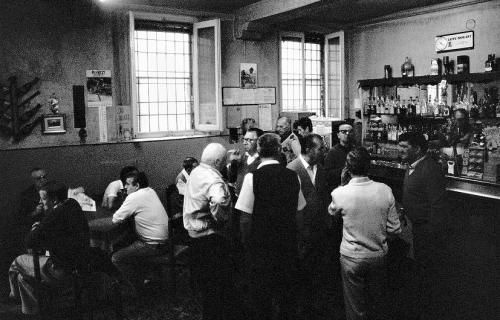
(126, 210)
(245, 205)
(393, 224)
(334, 209)
(220, 201)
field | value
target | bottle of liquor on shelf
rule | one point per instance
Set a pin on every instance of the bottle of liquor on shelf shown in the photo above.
(435, 108)
(446, 110)
(403, 110)
(386, 105)
(489, 65)
(391, 106)
(397, 106)
(407, 69)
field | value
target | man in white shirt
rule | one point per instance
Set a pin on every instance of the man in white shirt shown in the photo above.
(111, 198)
(369, 216)
(151, 225)
(269, 198)
(207, 209)
(290, 145)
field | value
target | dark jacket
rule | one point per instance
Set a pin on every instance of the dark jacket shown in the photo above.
(64, 232)
(424, 194)
(274, 229)
(334, 163)
(313, 220)
(238, 169)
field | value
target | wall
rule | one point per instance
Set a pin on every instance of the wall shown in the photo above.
(373, 46)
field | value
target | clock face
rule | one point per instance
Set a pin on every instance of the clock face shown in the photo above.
(441, 44)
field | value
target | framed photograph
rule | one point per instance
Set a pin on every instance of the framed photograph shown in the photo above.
(248, 75)
(54, 123)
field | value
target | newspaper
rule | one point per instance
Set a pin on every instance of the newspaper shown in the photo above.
(85, 201)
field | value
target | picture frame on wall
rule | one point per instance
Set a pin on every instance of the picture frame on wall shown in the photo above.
(54, 123)
(248, 75)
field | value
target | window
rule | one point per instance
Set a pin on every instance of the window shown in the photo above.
(309, 82)
(163, 76)
(169, 71)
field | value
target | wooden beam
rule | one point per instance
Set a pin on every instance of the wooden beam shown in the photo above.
(267, 8)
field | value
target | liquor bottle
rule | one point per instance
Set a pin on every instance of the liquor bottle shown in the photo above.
(489, 65)
(407, 69)
(403, 110)
(446, 110)
(397, 106)
(391, 105)
(386, 105)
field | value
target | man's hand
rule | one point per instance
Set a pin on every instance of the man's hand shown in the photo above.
(235, 155)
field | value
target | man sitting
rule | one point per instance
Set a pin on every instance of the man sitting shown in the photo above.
(30, 198)
(111, 198)
(151, 226)
(64, 232)
(180, 181)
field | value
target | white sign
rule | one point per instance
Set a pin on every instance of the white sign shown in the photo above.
(455, 41)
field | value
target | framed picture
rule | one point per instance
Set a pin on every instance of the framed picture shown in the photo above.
(54, 123)
(248, 75)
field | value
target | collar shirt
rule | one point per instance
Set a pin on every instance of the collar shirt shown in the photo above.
(246, 198)
(207, 202)
(411, 168)
(311, 169)
(250, 158)
(151, 219)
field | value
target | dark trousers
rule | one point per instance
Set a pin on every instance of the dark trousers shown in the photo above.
(272, 284)
(213, 269)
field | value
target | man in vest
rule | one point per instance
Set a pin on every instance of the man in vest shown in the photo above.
(271, 196)
(312, 221)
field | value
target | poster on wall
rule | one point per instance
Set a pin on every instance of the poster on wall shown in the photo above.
(99, 90)
(103, 124)
(123, 123)
(248, 75)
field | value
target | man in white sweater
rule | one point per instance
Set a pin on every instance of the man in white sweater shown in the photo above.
(151, 226)
(369, 217)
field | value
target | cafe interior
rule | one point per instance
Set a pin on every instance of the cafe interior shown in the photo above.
(91, 86)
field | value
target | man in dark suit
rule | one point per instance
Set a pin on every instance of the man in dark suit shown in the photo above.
(423, 195)
(312, 221)
(336, 156)
(271, 196)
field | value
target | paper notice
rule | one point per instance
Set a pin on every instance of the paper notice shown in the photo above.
(103, 124)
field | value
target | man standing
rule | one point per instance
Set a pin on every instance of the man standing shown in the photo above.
(423, 196)
(304, 126)
(369, 214)
(207, 205)
(64, 232)
(335, 158)
(240, 165)
(187, 166)
(151, 226)
(290, 145)
(312, 221)
(271, 196)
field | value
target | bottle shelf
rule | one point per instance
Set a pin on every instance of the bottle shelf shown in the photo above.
(425, 80)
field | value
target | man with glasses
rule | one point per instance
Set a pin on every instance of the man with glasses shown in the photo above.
(335, 159)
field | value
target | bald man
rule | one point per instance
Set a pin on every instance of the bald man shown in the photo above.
(207, 204)
(290, 144)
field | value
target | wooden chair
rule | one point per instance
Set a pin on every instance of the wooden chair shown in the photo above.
(88, 292)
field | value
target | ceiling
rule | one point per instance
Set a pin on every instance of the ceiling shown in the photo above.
(321, 16)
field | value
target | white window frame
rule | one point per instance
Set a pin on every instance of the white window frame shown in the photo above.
(195, 89)
(340, 35)
(298, 35)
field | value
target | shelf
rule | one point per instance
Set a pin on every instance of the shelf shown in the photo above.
(423, 80)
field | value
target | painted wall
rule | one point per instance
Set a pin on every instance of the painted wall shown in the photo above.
(373, 46)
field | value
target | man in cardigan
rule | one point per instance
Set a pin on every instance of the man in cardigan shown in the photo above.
(423, 195)
(271, 196)
(312, 221)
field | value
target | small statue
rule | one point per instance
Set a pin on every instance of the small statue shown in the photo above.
(54, 104)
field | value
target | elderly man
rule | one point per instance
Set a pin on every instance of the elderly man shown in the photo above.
(207, 208)
(369, 213)
(151, 226)
(312, 221)
(270, 197)
(290, 145)
(64, 232)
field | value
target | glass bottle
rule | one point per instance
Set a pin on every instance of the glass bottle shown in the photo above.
(407, 69)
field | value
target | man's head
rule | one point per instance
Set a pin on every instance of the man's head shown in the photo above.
(358, 162)
(283, 126)
(189, 164)
(269, 146)
(345, 134)
(135, 181)
(250, 140)
(52, 193)
(304, 126)
(125, 171)
(412, 146)
(39, 177)
(214, 155)
(312, 148)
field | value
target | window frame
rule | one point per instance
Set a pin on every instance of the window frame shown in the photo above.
(195, 129)
(340, 35)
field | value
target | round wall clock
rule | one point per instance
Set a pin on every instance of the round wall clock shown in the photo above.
(441, 44)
